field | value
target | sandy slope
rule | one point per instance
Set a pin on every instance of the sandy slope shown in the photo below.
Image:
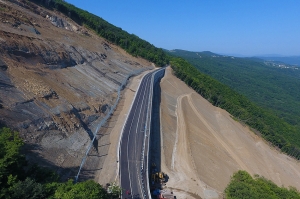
(202, 146)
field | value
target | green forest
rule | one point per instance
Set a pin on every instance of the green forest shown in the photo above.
(273, 88)
(129, 42)
(274, 129)
(242, 185)
(20, 180)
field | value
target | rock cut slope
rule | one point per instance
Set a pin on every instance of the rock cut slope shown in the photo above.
(202, 146)
(57, 81)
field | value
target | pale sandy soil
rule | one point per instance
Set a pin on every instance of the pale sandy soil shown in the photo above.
(202, 146)
(109, 142)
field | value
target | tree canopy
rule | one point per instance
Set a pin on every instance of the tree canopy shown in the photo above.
(242, 185)
(264, 83)
(19, 180)
(268, 125)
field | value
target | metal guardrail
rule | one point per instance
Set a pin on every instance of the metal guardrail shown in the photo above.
(104, 120)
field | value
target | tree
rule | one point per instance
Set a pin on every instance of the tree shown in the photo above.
(38, 182)
(28, 189)
(11, 160)
(114, 190)
(242, 185)
(82, 190)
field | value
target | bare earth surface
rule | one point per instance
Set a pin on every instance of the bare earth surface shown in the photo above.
(202, 146)
(58, 80)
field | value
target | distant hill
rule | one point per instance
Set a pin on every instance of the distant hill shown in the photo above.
(293, 60)
(265, 83)
(184, 53)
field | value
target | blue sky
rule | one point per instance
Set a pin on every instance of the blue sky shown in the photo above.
(236, 27)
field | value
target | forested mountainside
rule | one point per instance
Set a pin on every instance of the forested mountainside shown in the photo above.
(291, 60)
(130, 42)
(273, 86)
(265, 123)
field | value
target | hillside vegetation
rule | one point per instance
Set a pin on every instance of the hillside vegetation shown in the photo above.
(242, 185)
(129, 42)
(18, 180)
(271, 127)
(271, 87)
(293, 60)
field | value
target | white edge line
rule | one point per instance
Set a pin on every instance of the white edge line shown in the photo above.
(121, 135)
(150, 98)
(147, 165)
(135, 139)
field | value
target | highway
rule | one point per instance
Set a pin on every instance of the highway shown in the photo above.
(134, 143)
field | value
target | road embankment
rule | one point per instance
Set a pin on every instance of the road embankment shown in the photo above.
(202, 146)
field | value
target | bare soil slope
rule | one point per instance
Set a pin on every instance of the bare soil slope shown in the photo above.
(202, 146)
(57, 82)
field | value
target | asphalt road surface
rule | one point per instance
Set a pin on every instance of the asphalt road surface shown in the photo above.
(133, 157)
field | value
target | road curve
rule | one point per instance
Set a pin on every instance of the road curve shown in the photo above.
(134, 143)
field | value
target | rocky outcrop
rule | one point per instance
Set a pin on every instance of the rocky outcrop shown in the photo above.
(57, 81)
(3, 66)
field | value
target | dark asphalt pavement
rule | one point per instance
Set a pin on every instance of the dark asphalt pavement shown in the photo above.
(132, 143)
(133, 158)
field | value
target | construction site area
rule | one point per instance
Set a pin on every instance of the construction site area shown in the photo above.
(158, 184)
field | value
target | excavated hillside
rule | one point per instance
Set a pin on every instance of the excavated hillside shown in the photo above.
(202, 146)
(57, 82)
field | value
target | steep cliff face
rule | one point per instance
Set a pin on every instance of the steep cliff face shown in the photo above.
(57, 81)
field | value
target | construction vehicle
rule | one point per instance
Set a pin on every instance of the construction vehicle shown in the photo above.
(161, 175)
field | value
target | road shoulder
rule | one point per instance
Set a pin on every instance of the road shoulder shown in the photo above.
(109, 170)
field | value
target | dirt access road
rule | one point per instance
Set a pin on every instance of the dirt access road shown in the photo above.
(202, 146)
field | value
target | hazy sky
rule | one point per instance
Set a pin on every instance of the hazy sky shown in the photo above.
(245, 27)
